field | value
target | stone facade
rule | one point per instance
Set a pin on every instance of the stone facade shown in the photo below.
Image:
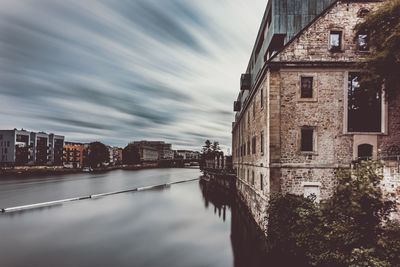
(283, 117)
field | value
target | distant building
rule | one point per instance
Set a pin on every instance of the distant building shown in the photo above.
(56, 143)
(41, 151)
(188, 154)
(164, 150)
(148, 154)
(21, 147)
(15, 147)
(73, 155)
(115, 157)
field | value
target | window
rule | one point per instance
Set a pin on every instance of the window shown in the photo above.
(252, 178)
(312, 191)
(248, 118)
(248, 175)
(307, 142)
(261, 182)
(8, 143)
(262, 98)
(365, 151)
(262, 143)
(307, 87)
(362, 12)
(363, 104)
(1, 136)
(335, 41)
(5, 151)
(248, 147)
(363, 42)
(253, 145)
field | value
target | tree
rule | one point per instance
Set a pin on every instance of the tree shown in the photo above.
(207, 147)
(130, 154)
(215, 147)
(353, 218)
(351, 228)
(293, 223)
(383, 66)
(209, 151)
(98, 154)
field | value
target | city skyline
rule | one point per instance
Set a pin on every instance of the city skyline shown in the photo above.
(122, 71)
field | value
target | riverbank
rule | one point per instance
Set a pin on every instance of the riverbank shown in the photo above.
(51, 170)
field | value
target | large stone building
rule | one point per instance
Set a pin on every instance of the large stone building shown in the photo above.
(164, 150)
(301, 114)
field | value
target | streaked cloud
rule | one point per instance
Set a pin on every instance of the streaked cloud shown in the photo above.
(117, 71)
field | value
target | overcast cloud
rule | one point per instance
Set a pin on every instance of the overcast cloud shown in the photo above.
(123, 70)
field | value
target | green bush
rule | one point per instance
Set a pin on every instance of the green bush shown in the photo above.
(349, 229)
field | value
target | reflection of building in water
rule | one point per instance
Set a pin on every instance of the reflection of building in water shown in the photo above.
(248, 241)
(220, 197)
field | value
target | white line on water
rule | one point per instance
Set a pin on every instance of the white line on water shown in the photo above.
(62, 201)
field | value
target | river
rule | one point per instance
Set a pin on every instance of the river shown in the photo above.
(188, 224)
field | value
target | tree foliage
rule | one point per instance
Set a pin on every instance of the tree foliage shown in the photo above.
(208, 151)
(383, 65)
(130, 155)
(207, 147)
(349, 229)
(98, 154)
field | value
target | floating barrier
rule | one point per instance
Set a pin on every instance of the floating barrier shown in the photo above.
(63, 201)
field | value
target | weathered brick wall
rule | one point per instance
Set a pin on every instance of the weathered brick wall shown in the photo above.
(325, 112)
(389, 144)
(253, 123)
(313, 43)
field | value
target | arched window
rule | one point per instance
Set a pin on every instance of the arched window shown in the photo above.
(362, 12)
(365, 151)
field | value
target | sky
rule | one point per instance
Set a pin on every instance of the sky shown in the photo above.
(118, 71)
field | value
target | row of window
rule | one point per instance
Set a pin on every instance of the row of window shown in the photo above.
(246, 149)
(306, 143)
(5, 143)
(361, 103)
(336, 41)
(250, 177)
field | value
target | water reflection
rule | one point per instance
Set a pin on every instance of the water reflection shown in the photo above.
(185, 225)
(248, 242)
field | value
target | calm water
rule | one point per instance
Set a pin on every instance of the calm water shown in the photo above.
(191, 224)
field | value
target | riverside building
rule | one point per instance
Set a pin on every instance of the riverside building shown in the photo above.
(21, 148)
(300, 113)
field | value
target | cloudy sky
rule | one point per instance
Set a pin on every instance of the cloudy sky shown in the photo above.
(117, 71)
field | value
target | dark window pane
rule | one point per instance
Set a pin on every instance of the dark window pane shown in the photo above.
(307, 87)
(262, 97)
(365, 151)
(364, 107)
(307, 139)
(262, 142)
